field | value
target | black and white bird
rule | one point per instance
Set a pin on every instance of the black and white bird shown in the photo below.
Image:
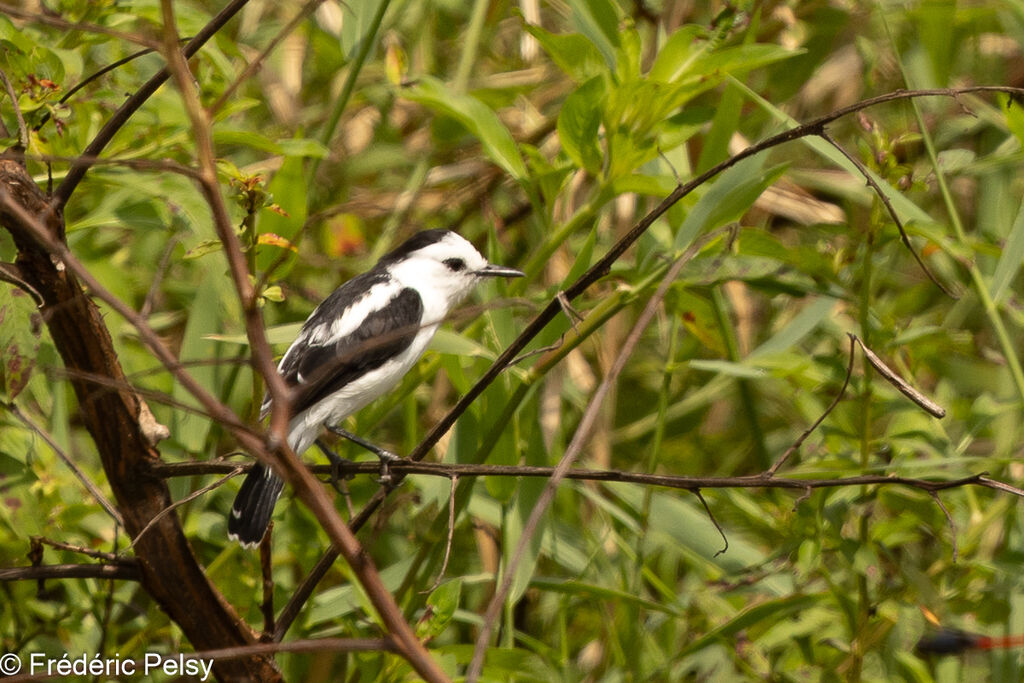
(357, 345)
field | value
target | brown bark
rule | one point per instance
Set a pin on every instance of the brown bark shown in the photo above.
(118, 422)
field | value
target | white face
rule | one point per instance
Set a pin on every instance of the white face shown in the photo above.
(449, 267)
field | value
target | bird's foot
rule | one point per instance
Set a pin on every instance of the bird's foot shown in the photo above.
(338, 464)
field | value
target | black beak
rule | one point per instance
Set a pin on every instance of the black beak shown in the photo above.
(491, 270)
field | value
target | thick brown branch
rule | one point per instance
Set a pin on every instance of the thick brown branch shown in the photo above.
(168, 569)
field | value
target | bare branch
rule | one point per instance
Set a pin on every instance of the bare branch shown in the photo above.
(262, 354)
(984, 480)
(121, 570)
(949, 520)
(97, 554)
(286, 463)
(451, 535)
(873, 184)
(925, 403)
(711, 516)
(796, 444)
(672, 481)
(177, 504)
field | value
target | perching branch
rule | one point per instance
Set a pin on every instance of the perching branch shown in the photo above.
(673, 481)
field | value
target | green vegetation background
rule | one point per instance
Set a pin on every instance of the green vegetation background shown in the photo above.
(542, 133)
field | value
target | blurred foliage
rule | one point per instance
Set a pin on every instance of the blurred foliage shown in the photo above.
(542, 132)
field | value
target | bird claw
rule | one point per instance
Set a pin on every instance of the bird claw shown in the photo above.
(386, 458)
(337, 464)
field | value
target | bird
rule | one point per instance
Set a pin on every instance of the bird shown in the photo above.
(356, 346)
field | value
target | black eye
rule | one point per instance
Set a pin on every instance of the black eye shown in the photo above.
(455, 264)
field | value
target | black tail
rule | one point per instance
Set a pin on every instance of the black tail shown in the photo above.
(254, 504)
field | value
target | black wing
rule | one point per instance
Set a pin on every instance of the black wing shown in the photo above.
(318, 370)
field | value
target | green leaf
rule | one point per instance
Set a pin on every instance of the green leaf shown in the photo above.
(19, 340)
(477, 118)
(303, 147)
(572, 52)
(1009, 260)
(772, 611)
(204, 319)
(650, 185)
(730, 197)
(799, 327)
(443, 602)
(451, 342)
(583, 258)
(530, 489)
(245, 138)
(578, 125)
(729, 369)
(203, 248)
(677, 56)
(288, 190)
(276, 335)
(599, 22)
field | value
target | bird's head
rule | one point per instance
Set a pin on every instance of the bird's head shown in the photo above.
(441, 262)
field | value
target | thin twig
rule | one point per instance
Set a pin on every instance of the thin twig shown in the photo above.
(79, 474)
(96, 554)
(94, 76)
(451, 536)
(890, 209)
(152, 165)
(770, 472)
(922, 401)
(263, 356)
(174, 506)
(757, 481)
(22, 128)
(114, 385)
(984, 480)
(949, 520)
(158, 275)
(711, 516)
(120, 570)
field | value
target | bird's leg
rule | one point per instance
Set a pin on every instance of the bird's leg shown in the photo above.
(337, 462)
(386, 457)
